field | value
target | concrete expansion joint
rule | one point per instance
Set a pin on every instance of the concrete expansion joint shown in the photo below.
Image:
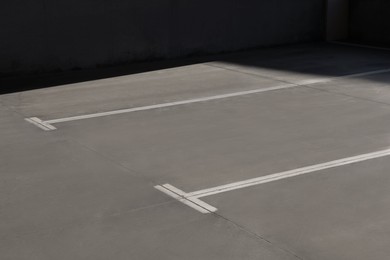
(184, 197)
(259, 237)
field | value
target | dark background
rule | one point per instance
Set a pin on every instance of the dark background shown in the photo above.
(370, 21)
(54, 35)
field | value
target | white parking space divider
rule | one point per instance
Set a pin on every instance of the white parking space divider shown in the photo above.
(192, 199)
(47, 125)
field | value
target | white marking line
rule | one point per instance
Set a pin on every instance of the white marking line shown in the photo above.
(181, 196)
(47, 124)
(41, 124)
(170, 104)
(277, 176)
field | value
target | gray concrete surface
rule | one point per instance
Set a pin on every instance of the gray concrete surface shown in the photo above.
(335, 214)
(288, 131)
(61, 200)
(85, 191)
(53, 35)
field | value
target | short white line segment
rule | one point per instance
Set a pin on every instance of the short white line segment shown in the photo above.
(41, 124)
(192, 198)
(182, 197)
(48, 124)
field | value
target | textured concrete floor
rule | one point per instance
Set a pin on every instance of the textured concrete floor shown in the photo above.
(86, 190)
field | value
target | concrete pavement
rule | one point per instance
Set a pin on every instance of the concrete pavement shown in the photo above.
(86, 190)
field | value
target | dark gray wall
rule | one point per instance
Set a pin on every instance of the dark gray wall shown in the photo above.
(42, 35)
(370, 21)
(337, 25)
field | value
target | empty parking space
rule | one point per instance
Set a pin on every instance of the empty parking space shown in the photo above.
(340, 213)
(315, 119)
(209, 144)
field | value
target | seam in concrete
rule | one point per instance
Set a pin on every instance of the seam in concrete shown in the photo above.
(257, 236)
(347, 95)
(183, 197)
(133, 172)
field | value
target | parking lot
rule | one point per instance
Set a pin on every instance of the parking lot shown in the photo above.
(270, 154)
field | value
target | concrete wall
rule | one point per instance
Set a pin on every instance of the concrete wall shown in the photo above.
(337, 25)
(370, 21)
(44, 35)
